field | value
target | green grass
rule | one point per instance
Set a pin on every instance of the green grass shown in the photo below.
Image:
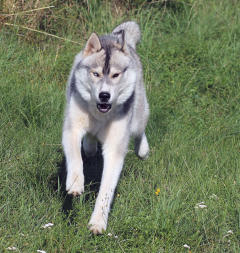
(190, 54)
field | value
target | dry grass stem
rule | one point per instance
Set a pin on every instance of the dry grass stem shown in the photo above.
(42, 32)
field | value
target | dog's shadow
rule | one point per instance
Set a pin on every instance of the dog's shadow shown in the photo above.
(92, 168)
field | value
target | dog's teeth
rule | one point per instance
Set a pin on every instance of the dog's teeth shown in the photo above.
(104, 107)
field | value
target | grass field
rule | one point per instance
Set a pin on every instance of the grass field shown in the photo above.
(190, 53)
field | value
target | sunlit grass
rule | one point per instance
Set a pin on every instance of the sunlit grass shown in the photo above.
(186, 193)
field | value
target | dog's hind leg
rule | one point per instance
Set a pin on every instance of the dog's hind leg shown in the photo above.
(89, 145)
(141, 146)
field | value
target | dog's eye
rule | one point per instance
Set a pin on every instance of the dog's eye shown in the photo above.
(115, 75)
(95, 74)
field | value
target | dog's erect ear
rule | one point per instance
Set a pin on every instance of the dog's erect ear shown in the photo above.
(93, 45)
(121, 40)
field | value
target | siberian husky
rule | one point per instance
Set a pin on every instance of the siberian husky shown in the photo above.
(106, 102)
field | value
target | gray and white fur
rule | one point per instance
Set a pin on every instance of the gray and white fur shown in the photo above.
(106, 102)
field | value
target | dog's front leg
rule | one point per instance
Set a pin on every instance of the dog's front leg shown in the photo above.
(113, 162)
(71, 141)
(114, 149)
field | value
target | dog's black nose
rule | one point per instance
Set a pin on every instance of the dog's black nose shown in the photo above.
(104, 97)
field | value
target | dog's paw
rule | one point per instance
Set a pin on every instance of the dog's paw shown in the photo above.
(74, 184)
(143, 153)
(142, 149)
(97, 225)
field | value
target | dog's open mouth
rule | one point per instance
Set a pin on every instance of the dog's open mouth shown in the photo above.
(104, 107)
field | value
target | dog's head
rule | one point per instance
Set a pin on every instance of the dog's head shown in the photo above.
(106, 76)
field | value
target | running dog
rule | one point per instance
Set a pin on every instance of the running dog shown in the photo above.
(106, 102)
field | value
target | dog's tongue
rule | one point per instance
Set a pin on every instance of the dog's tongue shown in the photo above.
(103, 107)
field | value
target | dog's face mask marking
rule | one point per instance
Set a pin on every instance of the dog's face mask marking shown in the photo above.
(106, 65)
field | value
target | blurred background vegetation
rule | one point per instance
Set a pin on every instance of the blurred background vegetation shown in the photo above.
(35, 19)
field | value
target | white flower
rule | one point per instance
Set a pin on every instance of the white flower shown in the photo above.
(110, 235)
(11, 248)
(200, 205)
(41, 251)
(48, 225)
(214, 196)
(186, 246)
(229, 232)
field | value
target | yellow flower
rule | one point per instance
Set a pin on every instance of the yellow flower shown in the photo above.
(157, 191)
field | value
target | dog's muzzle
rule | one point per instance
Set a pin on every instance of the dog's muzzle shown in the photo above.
(104, 107)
